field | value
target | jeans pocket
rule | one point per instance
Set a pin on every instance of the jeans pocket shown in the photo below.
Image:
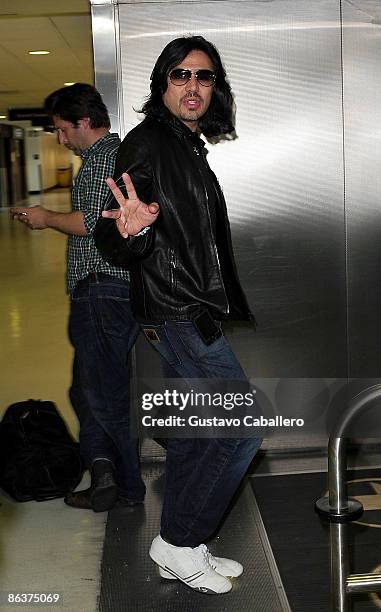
(116, 317)
(194, 344)
(158, 338)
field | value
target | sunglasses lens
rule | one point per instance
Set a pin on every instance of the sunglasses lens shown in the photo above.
(205, 77)
(180, 77)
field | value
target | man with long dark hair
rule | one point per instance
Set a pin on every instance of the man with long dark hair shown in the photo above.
(98, 293)
(184, 282)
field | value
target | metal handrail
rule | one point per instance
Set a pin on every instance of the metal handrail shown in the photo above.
(340, 510)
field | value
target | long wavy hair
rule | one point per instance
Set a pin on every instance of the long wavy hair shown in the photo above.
(219, 117)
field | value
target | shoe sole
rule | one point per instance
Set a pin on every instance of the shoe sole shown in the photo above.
(104, 498)
(175, 576)
(165, 574)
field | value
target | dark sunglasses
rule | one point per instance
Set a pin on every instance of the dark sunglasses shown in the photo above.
(180, 76)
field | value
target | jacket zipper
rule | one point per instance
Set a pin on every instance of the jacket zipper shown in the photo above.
(172, 267)
(227, 309)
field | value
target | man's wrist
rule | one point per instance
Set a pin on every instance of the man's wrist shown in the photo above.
(48, 217)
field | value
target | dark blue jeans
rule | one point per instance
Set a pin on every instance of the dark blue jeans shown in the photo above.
(100, 391)
(202, 475)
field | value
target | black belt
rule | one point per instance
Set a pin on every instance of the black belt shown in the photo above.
(94, 277)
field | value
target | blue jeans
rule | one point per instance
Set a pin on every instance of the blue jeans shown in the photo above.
(100, 391)
(202, 475)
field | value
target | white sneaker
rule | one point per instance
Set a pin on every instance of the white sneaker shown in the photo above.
(190, 565)
(225, 567)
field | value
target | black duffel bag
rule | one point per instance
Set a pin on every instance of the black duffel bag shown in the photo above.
(39, 459)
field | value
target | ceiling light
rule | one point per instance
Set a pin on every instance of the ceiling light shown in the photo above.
(3, 116)
(67, 84)
(38, 52)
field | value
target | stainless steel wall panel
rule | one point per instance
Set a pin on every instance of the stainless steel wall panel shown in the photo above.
(283, 174)
(106, 48)
(362, 94)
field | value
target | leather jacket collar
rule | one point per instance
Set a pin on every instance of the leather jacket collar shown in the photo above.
(181, 129)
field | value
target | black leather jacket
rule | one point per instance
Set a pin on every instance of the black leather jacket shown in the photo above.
(185, 262)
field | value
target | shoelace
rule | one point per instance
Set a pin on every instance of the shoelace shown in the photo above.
(208, 560)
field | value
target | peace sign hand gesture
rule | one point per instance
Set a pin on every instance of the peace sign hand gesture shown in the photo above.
(133, 215)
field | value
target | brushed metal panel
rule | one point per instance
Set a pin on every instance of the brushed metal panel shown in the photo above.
(106, 49)
(282, 176)
(362, 91)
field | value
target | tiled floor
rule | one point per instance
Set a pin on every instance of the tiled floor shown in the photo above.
(43, 546)
(35, 357)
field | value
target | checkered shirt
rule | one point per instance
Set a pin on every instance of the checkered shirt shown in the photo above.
(89, 194)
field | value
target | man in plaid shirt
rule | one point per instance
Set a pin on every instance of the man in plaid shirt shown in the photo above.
(99, 295)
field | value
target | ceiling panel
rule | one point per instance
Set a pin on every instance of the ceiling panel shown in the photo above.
(63, 28)
(38, 7)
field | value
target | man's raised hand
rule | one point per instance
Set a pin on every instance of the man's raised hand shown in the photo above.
(133, 215)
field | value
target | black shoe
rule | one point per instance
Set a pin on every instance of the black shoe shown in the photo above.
(80, 499)
(103, 492)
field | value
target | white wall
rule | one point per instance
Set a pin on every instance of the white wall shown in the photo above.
(44, 156)
(32, 159)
